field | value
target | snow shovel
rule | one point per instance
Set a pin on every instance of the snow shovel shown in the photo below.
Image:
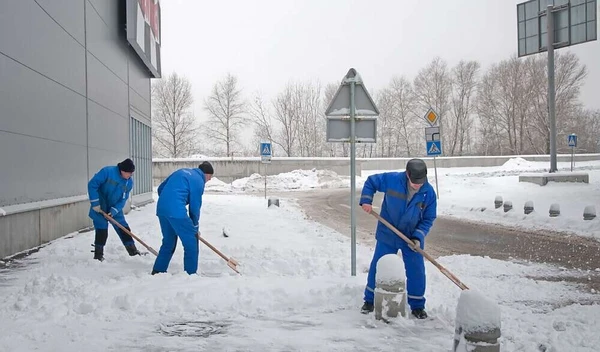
(129, 233)
(232, 263)
(430, 258)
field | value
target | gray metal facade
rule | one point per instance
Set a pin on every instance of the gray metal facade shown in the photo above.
(74, 97)
(69, 85)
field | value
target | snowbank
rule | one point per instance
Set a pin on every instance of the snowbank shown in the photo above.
(297, 180)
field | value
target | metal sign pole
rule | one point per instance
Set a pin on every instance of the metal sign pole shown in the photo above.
(353, 178)
(265, 181)
(437, 191)
(572, 156)
(551, 88)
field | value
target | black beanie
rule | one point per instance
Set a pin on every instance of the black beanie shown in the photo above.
(126, 165)
(207, 168)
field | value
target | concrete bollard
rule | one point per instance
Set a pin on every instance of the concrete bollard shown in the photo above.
(273, 201)
(589, 213)
(507, 206)
(478, 324)
(554, 210)
(528, 208)
(498, 202)
(390, 291)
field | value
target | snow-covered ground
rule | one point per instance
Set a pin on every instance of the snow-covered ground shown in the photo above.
(295, 294)
(469, 193)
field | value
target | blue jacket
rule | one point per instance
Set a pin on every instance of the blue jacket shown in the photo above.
(413, 219)
(108, 189)
(183, 187)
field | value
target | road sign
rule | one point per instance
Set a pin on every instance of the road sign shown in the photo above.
(265, 152)
(574, 23)
(432, 133)
(351, 100)
(363, 103)
(338, 130)
(434, 148)
(431, 117)
(572, 140)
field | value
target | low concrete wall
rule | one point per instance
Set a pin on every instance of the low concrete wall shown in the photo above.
(26, 226)
(228, 170)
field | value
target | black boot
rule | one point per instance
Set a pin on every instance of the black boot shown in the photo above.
(419, 313)
(99, 253)
(132, 250)
(367, 308)
(99, 242)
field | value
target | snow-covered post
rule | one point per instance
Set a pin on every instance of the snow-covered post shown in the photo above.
(589, 212)
(507, 206)
(498, 202)
(390, 293)
(478, 322)
(554, 210)
(528, 208)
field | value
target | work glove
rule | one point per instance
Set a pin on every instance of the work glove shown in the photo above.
(417, 244)
(97, 209)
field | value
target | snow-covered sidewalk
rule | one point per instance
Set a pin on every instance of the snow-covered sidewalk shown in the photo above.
(295, 294)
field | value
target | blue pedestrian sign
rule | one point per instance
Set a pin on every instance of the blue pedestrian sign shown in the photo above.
(434, 148)
(265, 152)
(572, 140)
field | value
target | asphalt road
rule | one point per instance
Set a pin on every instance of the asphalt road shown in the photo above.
(453, 236)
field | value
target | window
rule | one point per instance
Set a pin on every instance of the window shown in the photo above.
(140, 147)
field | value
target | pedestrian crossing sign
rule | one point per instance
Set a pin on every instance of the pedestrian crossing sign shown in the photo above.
(434, 148)
(572, 140)
(265, 152)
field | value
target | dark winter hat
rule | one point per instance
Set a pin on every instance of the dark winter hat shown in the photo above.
(126, 165)
(207, 168)
(417, 171)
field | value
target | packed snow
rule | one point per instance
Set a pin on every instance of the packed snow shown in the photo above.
(387, 269)
(295, 293)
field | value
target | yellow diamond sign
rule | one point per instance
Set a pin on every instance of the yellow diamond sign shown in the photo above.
(431, 117)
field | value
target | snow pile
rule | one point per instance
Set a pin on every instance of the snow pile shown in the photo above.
(517, 164)
(390, 269)
(477, 313)
(2, 212)
(297, 180)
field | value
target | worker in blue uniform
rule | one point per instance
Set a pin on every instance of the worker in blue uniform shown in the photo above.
(182, 188)
(410, 205)
(108, 191)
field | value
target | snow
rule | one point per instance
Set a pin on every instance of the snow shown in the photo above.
(390, 269)
(297, 180)
(477, 313)
(2, 212)
(295, 293)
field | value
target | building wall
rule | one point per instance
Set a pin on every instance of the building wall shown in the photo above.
(71, 88)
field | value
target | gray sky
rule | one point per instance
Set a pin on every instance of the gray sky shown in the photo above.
(266, 43)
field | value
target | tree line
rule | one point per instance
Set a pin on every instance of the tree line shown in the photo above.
(501, 110)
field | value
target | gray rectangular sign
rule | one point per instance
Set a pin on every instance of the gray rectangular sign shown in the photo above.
(338, 129)
(575, 22)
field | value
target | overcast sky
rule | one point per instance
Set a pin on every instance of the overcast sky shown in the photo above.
(266, 43)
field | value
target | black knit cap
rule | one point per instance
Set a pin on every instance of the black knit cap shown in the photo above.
(207, 168)
(417, 171)
(126, 165)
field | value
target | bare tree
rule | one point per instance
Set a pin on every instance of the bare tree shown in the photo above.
(433, 87)
(406, 119)
(464, 85)
(174, 127)
(225, 107)
(569, 77)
